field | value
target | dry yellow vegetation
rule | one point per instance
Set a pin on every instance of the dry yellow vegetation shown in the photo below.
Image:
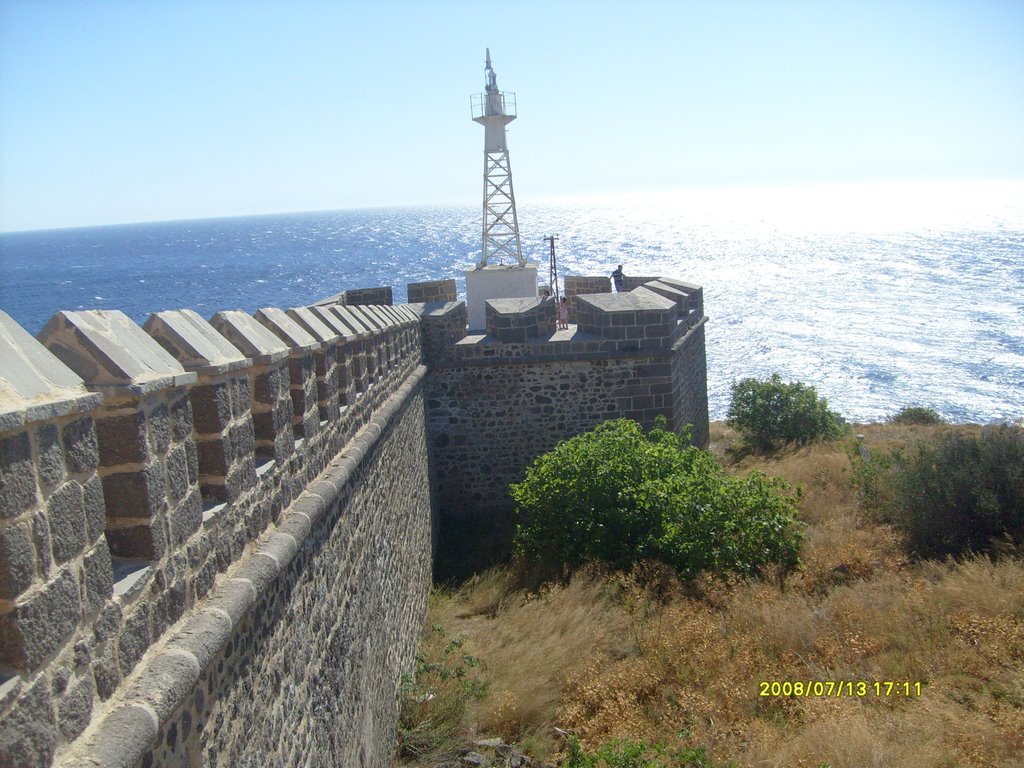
(643, 657)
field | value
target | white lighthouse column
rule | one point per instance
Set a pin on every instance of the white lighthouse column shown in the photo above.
(494, 110)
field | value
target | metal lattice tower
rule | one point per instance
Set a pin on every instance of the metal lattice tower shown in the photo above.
(494, 109)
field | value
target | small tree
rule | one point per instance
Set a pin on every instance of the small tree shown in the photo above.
(621, 496)
(772, 412)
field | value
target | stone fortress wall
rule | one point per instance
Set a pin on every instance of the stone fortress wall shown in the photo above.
(498, 400)
(216, 535)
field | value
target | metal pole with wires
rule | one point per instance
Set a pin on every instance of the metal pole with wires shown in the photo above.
(553, 267)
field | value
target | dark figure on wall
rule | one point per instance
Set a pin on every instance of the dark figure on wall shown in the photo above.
(617, 278)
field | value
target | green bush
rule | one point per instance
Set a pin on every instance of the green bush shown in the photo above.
(637, 754)
(916, 414)
(435, 697)
(621, 496)
(771, 412)
(953, 495)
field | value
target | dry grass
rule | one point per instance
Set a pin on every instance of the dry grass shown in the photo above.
(613, 656)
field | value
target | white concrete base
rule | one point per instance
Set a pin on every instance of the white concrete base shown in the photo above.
(497, 282)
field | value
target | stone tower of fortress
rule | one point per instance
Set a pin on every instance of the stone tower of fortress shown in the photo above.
(217, 535)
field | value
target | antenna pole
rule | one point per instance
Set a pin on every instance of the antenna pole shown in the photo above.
(553, 266)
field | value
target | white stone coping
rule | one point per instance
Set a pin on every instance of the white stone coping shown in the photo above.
(354, 319)
(112, 353)
(632, 301)
(332, 321)
(242, 330)
(34, 384)
(196, 344)
(313, 324)
(169, 671)
(513, 306)
(287, 330)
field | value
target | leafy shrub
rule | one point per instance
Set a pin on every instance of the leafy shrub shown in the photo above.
(772, 412)
(621, 496)
(955, 494)
(636, 754)
(435, 697)
(916, 414)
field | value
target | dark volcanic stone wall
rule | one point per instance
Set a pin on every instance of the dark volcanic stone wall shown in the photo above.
(490, 417)
(690, 386)
(310, 675)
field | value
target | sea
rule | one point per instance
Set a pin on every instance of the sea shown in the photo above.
(878, 296)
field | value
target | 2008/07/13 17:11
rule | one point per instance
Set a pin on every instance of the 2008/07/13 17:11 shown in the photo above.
(838, 688)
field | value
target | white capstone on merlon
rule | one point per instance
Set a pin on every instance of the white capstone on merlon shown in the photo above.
(196, 344)
(251, 337)
(332, 321)
(312, 324)
(356, 318)
(388, 313)
(346, 318)
(112, 353)
(34, 384)
(631, 301)
(381, 314)
(287, 330)
(668, 291)
(408, 312)
(497, 282)
(514, 306)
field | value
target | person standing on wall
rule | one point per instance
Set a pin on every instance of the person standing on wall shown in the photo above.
(563, 314)
(617, 278)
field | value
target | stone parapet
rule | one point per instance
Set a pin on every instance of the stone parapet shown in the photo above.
(220, 401)
(574, 285)
(356, 347)
(517, 320)
(371, 329)
(271, 580)
(227, 685)
(376, 295)
(443, 325)
(351, 359)
(152, 500)
(325, 360)
(629, 283)
(301, 369)
(432, 291)
(55, 568)
(133, 494)
(269, 383)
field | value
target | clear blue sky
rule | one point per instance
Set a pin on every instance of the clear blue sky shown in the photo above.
(125, 111)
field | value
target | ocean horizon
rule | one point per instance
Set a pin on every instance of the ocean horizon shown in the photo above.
(879, 296)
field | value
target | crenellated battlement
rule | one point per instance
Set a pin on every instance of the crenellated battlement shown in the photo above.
(496, 400)
(216, 533)
(140, 465)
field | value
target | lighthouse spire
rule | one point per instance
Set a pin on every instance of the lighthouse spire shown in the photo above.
(494, 110)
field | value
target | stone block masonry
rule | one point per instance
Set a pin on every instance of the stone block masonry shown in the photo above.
(140, 505)
(432, 292)
(498, 400)
(216, 534)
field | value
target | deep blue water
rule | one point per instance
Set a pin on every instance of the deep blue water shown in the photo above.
(875, 304)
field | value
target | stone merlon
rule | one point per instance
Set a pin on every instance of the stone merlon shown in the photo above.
(112, 353)
(196, 344)
(33, 382)
(252, 338)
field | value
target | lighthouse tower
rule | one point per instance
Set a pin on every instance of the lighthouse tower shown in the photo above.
(494, 110)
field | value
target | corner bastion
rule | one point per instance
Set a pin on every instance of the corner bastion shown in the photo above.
(216, 534)
(498, 400)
